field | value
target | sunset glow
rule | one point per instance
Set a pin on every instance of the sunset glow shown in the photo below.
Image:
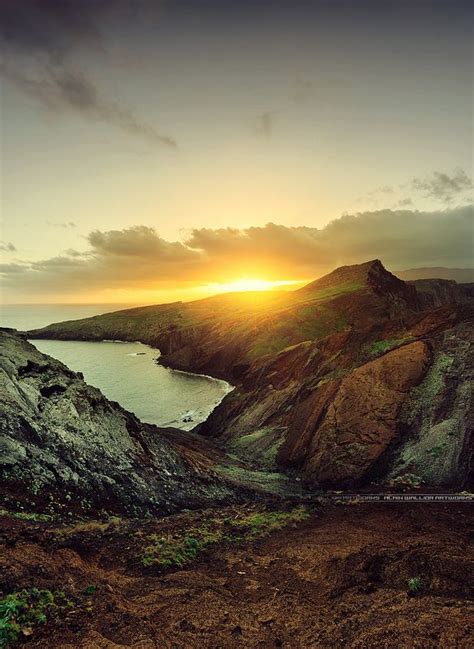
(229, 146)
(250, 284)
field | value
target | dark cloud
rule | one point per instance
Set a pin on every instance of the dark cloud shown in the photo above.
(39, 39)
(405, 202)
(443, 186)
(50, 27)
(7, 246)
(139, 257)
(399, 237)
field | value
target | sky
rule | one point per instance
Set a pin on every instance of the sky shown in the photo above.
(155, 151)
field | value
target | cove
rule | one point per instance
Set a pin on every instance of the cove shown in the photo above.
(127, 372)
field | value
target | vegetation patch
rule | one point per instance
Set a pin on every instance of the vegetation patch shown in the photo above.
(439, 449)
(274, 482)
(26, 516)
(415, 585)
(22, 611)
(260, 447)
(334, 291)
(410, 480)
(176, 550)
(309, 321)
(380, 347)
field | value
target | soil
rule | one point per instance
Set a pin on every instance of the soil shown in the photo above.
(338, 579)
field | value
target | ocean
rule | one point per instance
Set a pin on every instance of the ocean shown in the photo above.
(124, 372)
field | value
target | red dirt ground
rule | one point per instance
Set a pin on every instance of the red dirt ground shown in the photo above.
(338, 579)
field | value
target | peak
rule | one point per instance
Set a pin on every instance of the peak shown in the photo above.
(361, 269)
(374, 263)
(361, 274)
(370, 276)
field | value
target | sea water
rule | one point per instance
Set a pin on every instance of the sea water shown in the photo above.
(126, 372)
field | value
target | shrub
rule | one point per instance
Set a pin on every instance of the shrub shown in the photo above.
(415, 584)
(21, 611)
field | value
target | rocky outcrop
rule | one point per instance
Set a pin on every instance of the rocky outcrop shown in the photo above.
(361, 418)
(434, 293)
(63, 443)
(437, 420)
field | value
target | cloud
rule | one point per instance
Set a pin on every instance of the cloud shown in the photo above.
(443, 186)
(385, 189)
(139, 241)
(440, 186)
(7, 269)
(377, 195)
(137, 257)
(7, 246)
(265, 124)
(62, 224)
(40, 41)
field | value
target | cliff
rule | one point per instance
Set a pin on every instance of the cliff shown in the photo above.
(64, 445)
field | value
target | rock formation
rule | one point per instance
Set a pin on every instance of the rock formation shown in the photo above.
(63, 443)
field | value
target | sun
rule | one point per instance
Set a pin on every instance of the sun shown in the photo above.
(246, 284)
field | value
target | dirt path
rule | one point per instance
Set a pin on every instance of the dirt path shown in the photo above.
(339, 579)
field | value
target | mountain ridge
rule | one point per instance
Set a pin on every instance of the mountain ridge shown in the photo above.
(459, 275)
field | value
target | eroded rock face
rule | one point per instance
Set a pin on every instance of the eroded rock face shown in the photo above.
(437, 420)
(62, 438)
(362, 416)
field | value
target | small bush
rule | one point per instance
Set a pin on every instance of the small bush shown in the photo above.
(439, 450)
(415, 585)
(26, 516)
(90, 590)
(20, 612)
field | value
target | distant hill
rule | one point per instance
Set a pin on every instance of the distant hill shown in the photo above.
(460, 275)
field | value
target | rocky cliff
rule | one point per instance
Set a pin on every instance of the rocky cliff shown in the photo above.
(64, 445)
(358, 376)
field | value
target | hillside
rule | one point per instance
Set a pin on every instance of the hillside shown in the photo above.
(355, 377)
(219, 334)
(65, 447)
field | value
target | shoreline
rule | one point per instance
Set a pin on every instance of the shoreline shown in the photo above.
(192, 409)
